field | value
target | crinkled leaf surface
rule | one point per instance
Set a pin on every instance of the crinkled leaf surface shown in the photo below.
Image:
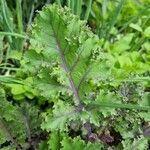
(63, 57)
(65, 44)
(69, 69)
(11, 124)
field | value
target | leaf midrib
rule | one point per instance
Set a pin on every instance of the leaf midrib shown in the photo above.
(66, 69)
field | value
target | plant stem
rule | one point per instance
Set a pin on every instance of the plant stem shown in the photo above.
(66, 69)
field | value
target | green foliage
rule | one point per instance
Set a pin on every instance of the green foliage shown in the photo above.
(9, 113)
(106, 15)
(54, 141)
(87, 85)
(22, 91)
(76, 143)
(64, 142)
(75, 89)
(18, 124)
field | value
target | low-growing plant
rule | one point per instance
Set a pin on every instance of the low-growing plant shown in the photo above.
(19, 125)
(76, 76)
(88, 91)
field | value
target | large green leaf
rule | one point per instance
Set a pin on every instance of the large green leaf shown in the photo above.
(61, 41)
(64, 57)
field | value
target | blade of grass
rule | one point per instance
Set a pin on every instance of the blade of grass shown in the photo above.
(113, 19)
(14, 35)
(115, 15)
(78, 7)
(145, 10)
(31, 16)
(9, 80)
(88, 9)
(138, 79)
(9, 68)
(121, 106)
(6, 24)
(5, 14)
(136, 46)
(3, 64)
(20, 22)
(72, 4)
(19, 16)
(104, 8)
